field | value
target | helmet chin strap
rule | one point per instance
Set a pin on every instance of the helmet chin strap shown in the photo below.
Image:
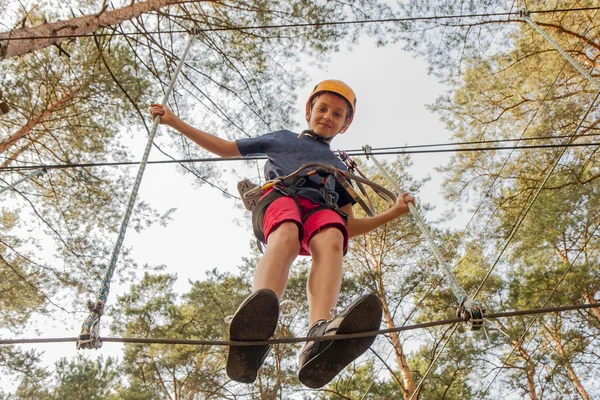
(310, 133)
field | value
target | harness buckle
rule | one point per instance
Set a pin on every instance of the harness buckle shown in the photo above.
(286, 190)
(250, 193)
(329, 198)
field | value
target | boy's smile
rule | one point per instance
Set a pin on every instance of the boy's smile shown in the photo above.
(328, 115)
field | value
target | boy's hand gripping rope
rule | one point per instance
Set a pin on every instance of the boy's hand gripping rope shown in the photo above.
(89, 337)
(469, 310)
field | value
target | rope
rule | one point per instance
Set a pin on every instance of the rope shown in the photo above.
(522, 338)
(23, 179)
(468, 309)
(471, 142)
(578, 67)
(89, 336)
(196, 342)
(354, 153)
(306, 25)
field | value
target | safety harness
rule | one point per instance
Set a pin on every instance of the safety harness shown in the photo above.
(257, 202)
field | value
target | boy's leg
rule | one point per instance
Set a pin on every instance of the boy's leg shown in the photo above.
(320, 362)
(325, 276)
(256, 318)
(273, 268)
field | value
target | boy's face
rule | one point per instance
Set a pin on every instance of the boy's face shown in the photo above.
(328, 115)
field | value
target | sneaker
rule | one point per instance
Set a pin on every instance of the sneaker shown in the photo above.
(255, 319)
(321, 361)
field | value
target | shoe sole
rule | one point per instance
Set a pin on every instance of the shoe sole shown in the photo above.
(365, 316)
(255, 320)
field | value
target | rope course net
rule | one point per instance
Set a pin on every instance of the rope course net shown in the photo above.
(424, 325)
(472, 311)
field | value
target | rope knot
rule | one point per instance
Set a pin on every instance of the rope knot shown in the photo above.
(96, 307)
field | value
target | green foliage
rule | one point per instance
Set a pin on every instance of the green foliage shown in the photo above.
(76, 102)
(23, 366)
(507, 82)
(19, 284)
(360, 382)
(76, 379)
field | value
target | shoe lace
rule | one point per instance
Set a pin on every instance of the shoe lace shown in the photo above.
(294, 308)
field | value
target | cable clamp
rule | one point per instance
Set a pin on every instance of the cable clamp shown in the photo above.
(195, 31)
(524, 13)
(473, 313)
(367, 149)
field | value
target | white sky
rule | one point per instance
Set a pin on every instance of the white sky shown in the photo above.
(392, 89)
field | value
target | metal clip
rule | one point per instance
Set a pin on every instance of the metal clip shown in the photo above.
(524, 13)
(474, 314)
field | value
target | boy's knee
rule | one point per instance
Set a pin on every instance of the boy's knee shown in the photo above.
(286, 232)
(330, 238)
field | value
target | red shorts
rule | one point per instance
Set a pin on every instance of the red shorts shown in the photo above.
(285, 209)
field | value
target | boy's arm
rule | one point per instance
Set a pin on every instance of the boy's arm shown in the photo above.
(360, 226)
(216, 145)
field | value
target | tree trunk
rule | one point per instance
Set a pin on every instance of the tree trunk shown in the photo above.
(41, 117)
(529, 369)
(529, 365)
(408, 387)
(565, 361)
(22, 41)
(591, 300)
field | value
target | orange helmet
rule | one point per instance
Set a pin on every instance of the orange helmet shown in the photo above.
(337, 87)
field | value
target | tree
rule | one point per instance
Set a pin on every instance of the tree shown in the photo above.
(75, 100)
(77, 379)
(180, 371)
(25, 40)
(23, 366)
(507, 82)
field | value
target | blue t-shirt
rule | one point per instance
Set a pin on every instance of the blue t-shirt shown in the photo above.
(286, 153)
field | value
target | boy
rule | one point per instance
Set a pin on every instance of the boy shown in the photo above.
(309, 218)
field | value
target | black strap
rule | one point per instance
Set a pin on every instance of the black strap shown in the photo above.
(258, 214)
